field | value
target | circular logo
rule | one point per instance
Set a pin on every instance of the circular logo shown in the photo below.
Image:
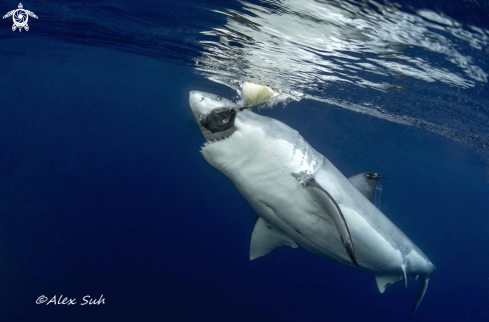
(20, 18)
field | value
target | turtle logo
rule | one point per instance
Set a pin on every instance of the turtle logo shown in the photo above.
(20, 17)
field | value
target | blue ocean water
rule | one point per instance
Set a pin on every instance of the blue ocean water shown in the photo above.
(103, 191)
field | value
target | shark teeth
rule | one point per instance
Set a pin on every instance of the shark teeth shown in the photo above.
(206, 144)
(219, 139)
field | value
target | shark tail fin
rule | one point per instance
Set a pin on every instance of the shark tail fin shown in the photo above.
(421, 291)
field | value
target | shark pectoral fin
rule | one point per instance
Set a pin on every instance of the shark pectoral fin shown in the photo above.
(329, 206)
(266, 238)
(385, 281)
(365, 183)
(421, 291)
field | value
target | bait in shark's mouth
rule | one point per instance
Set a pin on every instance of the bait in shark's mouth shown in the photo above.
(219, 119)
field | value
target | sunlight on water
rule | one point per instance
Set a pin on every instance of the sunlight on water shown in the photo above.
(382, 60)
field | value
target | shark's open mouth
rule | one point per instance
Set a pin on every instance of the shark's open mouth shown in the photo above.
(219, 119)
(214, 137)
(218, 124)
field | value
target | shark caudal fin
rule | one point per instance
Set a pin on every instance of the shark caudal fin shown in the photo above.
(421, 291)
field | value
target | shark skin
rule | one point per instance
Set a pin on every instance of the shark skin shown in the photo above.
(301, 198)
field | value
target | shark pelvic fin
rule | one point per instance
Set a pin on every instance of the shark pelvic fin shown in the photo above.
(421, 291)
(365, 183)
(329, 206)
(385, 281)
(266, 238)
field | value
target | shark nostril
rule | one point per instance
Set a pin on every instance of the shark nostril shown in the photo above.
(202, 98)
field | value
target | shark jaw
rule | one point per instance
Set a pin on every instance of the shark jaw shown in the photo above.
(215, 114)
(203, 105)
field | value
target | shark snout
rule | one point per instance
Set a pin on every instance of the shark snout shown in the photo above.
(202, 103)
(195, 101)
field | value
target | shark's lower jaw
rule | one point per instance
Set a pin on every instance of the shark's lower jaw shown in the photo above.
(209, 142)
(215, 137)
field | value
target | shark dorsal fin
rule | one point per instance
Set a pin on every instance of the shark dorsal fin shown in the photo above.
(365, 183)
(266, 238)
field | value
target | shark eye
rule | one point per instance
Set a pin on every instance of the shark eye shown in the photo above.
(202, 98)
(219, 98)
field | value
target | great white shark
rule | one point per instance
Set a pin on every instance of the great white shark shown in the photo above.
(301, 198)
